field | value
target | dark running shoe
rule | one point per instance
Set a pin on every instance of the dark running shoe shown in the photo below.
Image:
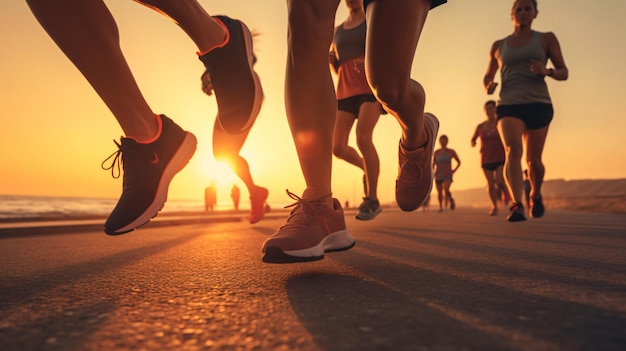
(536, 208)
(517, 213)
(148, 171)
(237, 87)
(369, 209)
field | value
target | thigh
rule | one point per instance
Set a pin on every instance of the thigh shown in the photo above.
(535, 140)
(490, 176)
(511, 131)
(227, 144)
(343, 126)
(388, 62)
(369, 113)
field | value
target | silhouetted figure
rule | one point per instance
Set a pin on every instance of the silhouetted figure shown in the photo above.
(210, 197)
(234, 194)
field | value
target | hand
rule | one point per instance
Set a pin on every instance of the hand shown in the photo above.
(207, 87)
(473, 143)
(539, 68)
(332, 58)
(491, 87)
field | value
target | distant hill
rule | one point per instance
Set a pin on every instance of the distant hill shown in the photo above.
(598, 195)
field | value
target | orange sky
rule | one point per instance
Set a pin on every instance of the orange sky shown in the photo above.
(56, 131)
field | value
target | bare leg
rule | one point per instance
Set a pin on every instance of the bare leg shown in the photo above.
(341, 149)
(511, 130)
(87, 33)
(205, 32)
(501, 184)
(388, 64)
(440, 195)
(368, 117)
(226, 147)
(535, 141)
(310, 99)
(492, 189)
(446, 192)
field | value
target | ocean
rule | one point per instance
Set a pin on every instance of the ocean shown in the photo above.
(17, 206)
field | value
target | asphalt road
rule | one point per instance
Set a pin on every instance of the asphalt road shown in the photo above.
(459, 280)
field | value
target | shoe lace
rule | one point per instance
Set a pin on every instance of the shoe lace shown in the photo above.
(115, 161)
(302, 207)
(416, 163)
(367, 205)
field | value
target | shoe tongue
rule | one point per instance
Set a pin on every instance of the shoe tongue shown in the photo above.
(128, 141)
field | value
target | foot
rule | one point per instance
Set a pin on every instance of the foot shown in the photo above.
(536, 208)
(148, 170)
(493, 212)
(311, 230)
(452, 204)
(415, 171)
(369, 209)
(517, 213)
(237, 87)
(257, 204)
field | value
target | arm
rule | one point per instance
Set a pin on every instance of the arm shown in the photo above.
(492, 68)
(333, 60)
(457, 159)
(560, 71)
(475, 136)
(553, 51)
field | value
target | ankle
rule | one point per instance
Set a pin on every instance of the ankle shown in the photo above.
(152, 137)
(318, 194)
(221, 38)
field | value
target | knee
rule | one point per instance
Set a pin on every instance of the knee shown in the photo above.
(221, 154)
(514, 152)
(364, 142)
(304, 16)
(388, 94)
(534, 163)
(338, 150)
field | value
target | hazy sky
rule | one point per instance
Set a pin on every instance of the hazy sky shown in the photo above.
(56, 130)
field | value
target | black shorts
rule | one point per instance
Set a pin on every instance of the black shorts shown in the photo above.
(534, 116)
(492, 166)
(353, 104)
(433, 4)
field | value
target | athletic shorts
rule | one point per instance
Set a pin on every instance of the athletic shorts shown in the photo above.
(534, 116)
(492, 166)
(433, 4)
(353, 104)
(441, 180)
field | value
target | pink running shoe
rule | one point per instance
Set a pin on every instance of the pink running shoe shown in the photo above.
(257, 204)
(311, 229)
(415, 171)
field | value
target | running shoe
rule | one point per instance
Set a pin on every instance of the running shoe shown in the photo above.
(517, 213)
(452, 204)
(311, 230)
(257, 204)
(415, 171)
(148, 170)
(237, 86)
(369, 209)
(536, 208)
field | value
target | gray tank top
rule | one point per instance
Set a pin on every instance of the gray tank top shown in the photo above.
(350, 43)
(519, 85)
